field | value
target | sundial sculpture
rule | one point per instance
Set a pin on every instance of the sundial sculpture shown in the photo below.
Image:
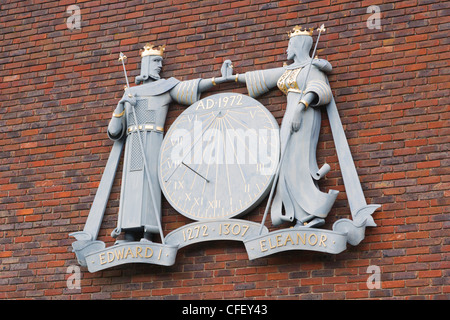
(220, 158)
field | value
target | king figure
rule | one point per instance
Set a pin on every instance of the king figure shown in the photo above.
(305, 84)
(140, 198)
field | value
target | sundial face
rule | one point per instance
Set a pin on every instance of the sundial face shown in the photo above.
(218, 159)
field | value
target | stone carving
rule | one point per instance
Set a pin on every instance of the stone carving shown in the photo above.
(138, 123)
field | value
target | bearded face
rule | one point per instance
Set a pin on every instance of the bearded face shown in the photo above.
(154, 67)
(150, 68)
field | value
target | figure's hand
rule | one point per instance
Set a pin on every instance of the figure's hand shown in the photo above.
(297, 119)
(126, 98)
(227, 69)
(296, 124)
(227, 75)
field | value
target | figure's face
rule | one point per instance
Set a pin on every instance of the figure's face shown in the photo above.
(155, 66)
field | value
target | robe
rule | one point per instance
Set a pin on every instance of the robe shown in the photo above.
(297, 194)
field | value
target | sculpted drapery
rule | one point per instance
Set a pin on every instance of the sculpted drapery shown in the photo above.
(297, 193)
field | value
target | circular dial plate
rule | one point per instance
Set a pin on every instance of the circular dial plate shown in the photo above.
(218, 158)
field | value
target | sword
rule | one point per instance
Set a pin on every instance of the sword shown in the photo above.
(147, 172)
(277, 173)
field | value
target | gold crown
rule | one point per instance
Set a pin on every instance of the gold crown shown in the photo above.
(150, 50)
(297, 31)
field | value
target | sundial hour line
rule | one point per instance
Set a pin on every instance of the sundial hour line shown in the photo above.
(194, 171)
(207, 168)
(193, 145)
(234, 152)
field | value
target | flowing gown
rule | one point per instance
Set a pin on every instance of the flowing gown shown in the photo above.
(297, 191)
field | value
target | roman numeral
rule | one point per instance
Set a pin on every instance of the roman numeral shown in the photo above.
(214, 204)
(178, 185)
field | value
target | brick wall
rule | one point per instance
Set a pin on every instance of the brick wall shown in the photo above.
(60, 86)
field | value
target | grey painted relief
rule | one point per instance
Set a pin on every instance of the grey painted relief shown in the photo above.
(212, 168)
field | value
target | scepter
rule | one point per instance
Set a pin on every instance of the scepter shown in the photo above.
(277, 173)
(321, 29)
(122, 57)
(147, 172)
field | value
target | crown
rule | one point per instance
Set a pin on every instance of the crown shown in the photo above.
(150, 50)
(297, 31)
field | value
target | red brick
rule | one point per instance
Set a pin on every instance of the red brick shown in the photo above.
(430, 274)
(25, 211)
(6, 254)
(393, 284)
(11, 78)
